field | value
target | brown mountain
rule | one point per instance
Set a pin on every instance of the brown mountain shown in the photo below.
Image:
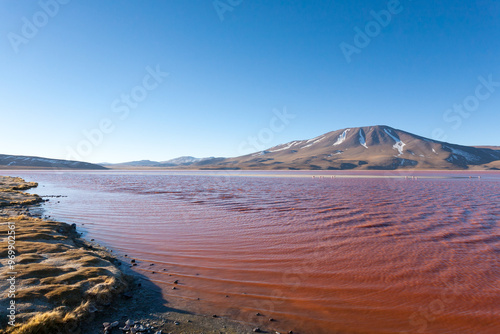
(372, 147)
(21, 161)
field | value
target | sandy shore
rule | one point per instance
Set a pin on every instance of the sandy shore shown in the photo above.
(52, 281)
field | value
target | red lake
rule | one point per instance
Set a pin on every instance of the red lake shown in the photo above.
(320, 252)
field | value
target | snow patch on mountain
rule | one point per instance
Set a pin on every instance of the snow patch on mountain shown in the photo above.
(470, 158)
(494, 156)
(335, 153)
(341, 138)
(362, 139)
(317, 139)
(399, 144)
(313, 141)
(260, 153)
(285, 147)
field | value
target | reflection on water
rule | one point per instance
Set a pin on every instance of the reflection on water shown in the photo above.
(319, 254)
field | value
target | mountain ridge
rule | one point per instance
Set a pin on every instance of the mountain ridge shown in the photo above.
(24, 161)
(368, 147)
(378, 147)
(180, 161)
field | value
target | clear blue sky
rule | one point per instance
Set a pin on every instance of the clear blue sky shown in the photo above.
(230, 63)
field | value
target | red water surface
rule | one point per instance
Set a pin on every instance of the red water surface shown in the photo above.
(379, 252)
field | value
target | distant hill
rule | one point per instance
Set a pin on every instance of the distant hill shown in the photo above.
(20, 161)
(372, 147)
(140, 163)
(177, 162)
(185, 161)
(496, 148)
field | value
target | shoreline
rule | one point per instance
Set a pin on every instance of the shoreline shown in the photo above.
(65, 284)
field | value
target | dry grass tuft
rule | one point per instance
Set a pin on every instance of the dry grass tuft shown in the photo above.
(52, 322)
(60, 281)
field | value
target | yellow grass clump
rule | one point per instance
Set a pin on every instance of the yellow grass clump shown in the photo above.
(60, 281)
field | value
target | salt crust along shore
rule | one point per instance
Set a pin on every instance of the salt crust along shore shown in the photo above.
(60, 283)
